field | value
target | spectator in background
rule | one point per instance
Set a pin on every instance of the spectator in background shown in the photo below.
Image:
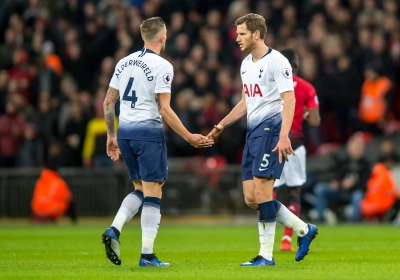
(31, 153)
(3, 90)
(7, 48)
(381, 191)
(45, 80)
(375, 94)
(22, 73)
(343, 95)
(11, 134)
(52, 60)
(182, 108)
(46, 118)
(352, 173)
(76, 64)
(74, 136)
(388, 150)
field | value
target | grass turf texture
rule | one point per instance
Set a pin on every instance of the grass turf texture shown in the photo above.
(196, 252)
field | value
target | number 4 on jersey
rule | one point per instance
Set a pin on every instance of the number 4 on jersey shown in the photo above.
(131, 97)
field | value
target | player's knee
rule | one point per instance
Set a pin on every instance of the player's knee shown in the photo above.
(251, 201)
(137, 185)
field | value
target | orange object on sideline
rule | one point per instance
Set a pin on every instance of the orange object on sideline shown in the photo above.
(51, 196)
(373, 103)
(381, 192)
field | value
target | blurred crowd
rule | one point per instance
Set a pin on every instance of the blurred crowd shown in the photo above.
(57, 58)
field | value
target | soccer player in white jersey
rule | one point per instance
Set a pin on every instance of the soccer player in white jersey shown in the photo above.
(268, 99)
(142, 83)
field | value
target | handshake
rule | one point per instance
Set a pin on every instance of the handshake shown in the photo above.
(200, 141)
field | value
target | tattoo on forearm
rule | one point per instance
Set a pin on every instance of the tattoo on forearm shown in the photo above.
(109, 111)
(157, 97)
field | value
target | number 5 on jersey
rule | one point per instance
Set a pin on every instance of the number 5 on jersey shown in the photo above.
(264, 163)
(130, 97)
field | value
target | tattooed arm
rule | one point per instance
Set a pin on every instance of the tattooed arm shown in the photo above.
(109, 109)
(157, 97)
(109, 116)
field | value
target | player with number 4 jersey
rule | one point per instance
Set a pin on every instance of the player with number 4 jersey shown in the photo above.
(268, 99)
(142, 83)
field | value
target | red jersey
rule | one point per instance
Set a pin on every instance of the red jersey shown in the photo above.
(306, 97)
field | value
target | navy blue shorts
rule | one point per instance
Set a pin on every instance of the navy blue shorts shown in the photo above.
(259, 160)
(145, 160)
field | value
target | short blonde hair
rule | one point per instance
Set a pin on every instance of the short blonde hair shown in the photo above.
(253, 22)
(151, 27)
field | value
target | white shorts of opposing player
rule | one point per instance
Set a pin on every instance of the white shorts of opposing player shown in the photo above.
(294, 171)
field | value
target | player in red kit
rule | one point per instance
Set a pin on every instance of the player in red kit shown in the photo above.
(294, 171)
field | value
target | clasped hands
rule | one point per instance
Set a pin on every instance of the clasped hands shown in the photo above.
(284, 146)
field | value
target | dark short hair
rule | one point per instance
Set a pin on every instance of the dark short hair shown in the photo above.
(253, 22)
(290, 54)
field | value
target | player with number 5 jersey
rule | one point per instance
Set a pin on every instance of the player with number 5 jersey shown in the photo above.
(268, 99)
(142, 83)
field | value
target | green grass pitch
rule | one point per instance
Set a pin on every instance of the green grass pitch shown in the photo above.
(196, 252)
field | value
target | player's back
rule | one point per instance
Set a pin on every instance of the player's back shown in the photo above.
(306, 97)
(138, 77)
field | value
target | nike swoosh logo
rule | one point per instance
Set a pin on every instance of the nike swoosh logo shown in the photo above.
(147, 262)
(244, 72)
(262, 169)
(261, 70)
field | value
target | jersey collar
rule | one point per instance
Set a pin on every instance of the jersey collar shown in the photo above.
(269, 51)
(144, 51)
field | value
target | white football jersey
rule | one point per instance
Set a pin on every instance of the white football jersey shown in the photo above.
(138, 77)
(263, 82)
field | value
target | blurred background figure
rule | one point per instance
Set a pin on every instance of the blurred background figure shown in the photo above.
(74, 134)
(11, 135)
(52, 197)
(376, 99)
(94, 147)
(31, 153)
(381, 193)
(349, 184)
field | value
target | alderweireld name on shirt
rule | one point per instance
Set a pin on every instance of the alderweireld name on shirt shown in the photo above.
(137, 63)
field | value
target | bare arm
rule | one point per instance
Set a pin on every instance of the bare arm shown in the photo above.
(287, 112)
(284, 147)
(313, 118)
(237, 112)
(109, 109)
(109, 116)
(163, 103)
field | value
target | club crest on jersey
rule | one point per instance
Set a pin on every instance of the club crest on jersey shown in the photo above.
(252, 90)
(167, 78)
(286, 73)
(260, 72)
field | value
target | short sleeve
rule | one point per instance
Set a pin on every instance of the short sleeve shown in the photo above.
(312, 100)
(114, 83)
(164, 78)
(282, 72)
